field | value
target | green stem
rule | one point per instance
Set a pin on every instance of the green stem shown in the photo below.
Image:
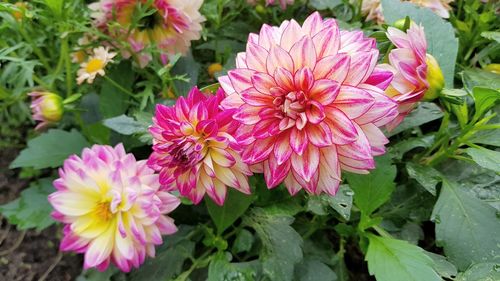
(119, 86)
(489, 127)
(205, 257)
(382, 231)
(40, 82)
(312, 228)
(67, 59)
(60, 62)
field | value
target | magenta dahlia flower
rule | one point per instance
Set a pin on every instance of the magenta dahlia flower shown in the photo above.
(171, 26)
(409, 66)
(47, 108)
(112, 206)
(195, 150)
(310, 100)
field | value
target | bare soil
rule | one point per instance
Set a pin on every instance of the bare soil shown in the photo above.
(29, 255)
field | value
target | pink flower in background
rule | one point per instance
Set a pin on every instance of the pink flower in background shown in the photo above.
(194, 148)
(171, 26)
(47, 108)
(408, 63)
(283, 3)
(112, 206)
(310, 100)
(372, 9)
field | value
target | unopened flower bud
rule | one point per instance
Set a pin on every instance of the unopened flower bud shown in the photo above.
(46, 107)
(494, 67)
(435, 78)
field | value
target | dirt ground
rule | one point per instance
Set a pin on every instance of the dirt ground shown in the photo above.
(29, 255)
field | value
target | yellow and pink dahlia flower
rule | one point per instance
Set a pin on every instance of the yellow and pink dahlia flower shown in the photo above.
(170, 27)
(113, 208)
(47, 108)
(195, 150)
(310, 100)
(409, 66)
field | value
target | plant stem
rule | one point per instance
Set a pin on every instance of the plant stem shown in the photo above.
(67, 59)
(382, 231)
(119, 86)
(205, 257)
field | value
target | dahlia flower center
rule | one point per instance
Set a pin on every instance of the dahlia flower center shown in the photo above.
(103, 212)
(149, 21)
(94, 65)
(186, 153)
(292, 104)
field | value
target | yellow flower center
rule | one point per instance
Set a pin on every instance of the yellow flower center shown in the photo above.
(94, 65)
(102, 211)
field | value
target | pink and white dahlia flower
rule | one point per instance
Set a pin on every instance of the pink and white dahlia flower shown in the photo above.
(310, 100)
(195, 150)
(171, 26)
(112, 206)
(409, 66)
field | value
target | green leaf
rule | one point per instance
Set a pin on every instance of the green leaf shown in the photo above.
(480, 272)
(341, 202)
(31, 209)
(221, 269)
(243, 242)
(125, 125)
(374, 189)
(89, 104)
(395, 260)
(49, 150)
(95, 275)
(485, 99)
(170, 258)
(486, 158)
(324, 4)
(424, 113)
(313, 270)
(488, 137)
(426, 176)
(235, 205)
(464, 227)
(476, 77)
(442, 266)
(479, 182)
(440, 34)
(186, 65)
(399, 149)
(282, 245)
(113, 100)
(491, 35)
(55, 5)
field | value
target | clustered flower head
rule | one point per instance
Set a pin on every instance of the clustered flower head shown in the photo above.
(95, 65)
(47, 108)
(372, 9)
(310, 100)
(113, 208)
(408, 62)
(170, 25)
(195, 150)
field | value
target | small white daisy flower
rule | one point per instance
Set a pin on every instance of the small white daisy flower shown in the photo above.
(94, 65)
